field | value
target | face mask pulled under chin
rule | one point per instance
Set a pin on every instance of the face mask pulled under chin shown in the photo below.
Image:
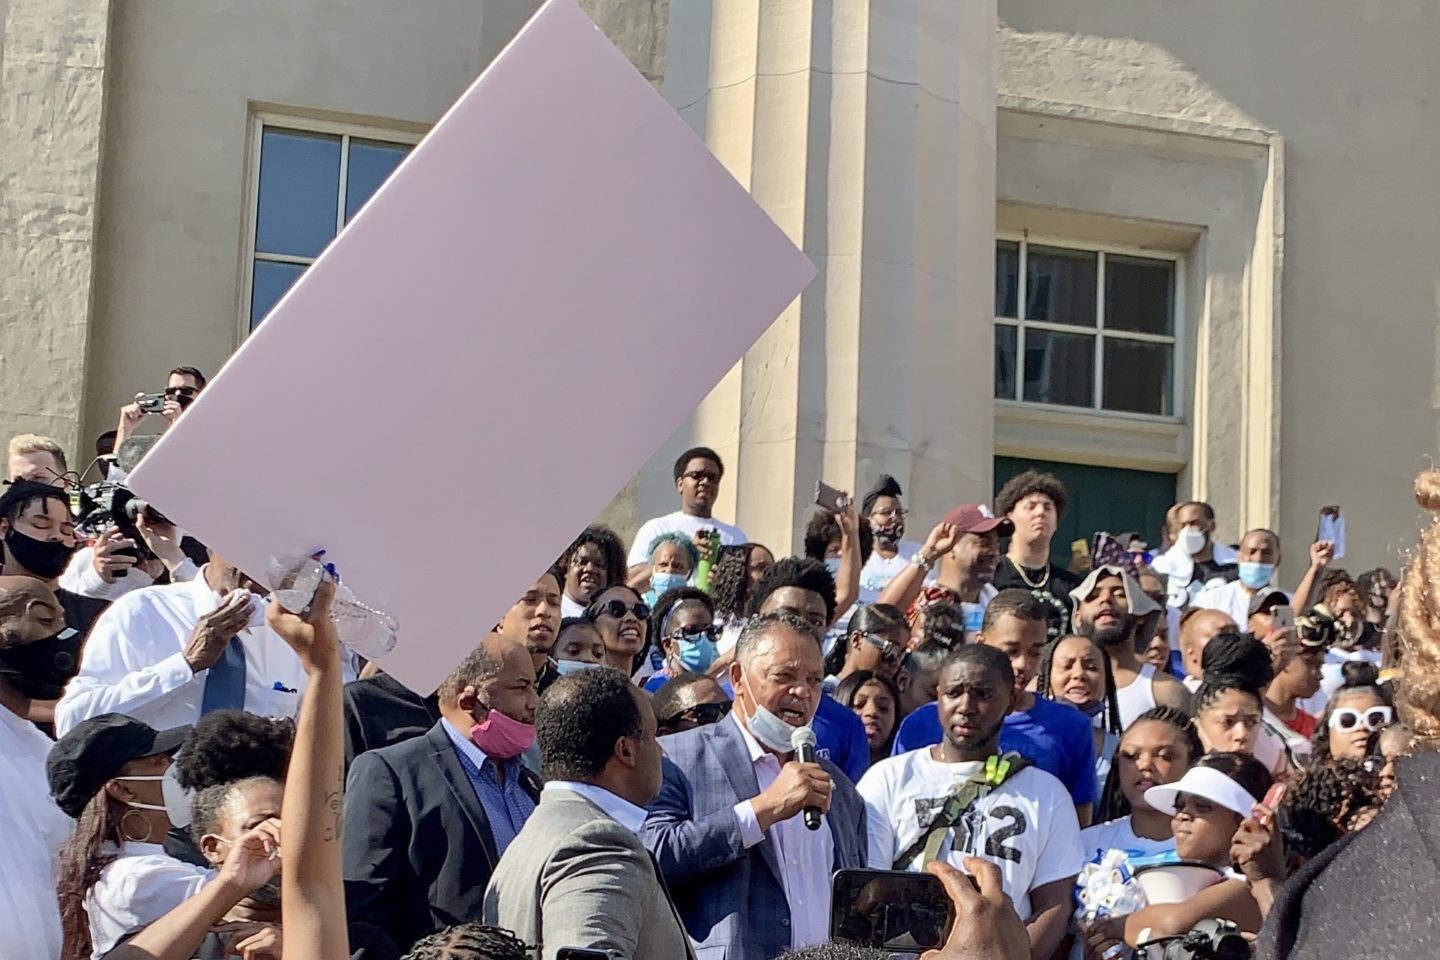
(567, 667)
(772, 732)
(41, 669)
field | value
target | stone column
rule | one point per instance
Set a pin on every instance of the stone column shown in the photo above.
(53, 58)
(866, 128)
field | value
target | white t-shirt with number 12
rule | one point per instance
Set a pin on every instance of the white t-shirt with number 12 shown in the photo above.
(1026, 826)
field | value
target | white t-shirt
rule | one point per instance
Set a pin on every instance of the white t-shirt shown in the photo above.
(35, 830)
(1232, 598)
(680, 522)
(1119, 835)
(878, 571)
(1027, 825)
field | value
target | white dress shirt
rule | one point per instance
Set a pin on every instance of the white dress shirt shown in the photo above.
(136, 889)
(807, 857)
(615, 807)
(134, 662)
(35, 829)
(81, 578)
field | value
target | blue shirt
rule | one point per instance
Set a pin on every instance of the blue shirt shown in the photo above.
(1055, 737)
(839, 736)
(507, 805)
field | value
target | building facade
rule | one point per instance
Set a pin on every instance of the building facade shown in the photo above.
(1169, 251)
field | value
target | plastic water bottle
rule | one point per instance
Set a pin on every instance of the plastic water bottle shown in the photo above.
(369, 632)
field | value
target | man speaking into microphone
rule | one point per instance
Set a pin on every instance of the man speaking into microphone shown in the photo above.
(729, 829)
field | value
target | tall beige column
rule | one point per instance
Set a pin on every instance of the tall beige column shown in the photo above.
(53, 58)
(866, 128)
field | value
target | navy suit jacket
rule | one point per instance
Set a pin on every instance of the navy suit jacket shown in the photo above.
(731, 899)
(417, 845)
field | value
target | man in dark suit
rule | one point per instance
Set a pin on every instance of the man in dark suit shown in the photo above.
(750, 880)
(426, 820)
(381, 711)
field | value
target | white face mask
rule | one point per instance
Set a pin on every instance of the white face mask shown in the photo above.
(567, 667)
(1192, 540)
(769, 729)
(178, 800)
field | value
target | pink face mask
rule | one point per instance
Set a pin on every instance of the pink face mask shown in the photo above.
(502, 737)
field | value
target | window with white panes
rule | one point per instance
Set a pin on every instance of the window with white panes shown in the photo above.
(308, 184)
(1083, 327)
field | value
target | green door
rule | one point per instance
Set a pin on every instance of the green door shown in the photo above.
(1101, 498)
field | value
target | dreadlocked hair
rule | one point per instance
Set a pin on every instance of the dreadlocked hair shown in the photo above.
(1113, 804)
(82, 860)
(1419, 700)
(1111, 713)
(1320, 743)
(470, 941)
(1323, 800)
(1233, 661)
(730, 580)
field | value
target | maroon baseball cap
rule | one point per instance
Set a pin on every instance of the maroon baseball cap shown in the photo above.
(977, 518)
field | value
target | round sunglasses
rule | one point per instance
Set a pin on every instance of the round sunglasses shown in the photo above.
(618, 609)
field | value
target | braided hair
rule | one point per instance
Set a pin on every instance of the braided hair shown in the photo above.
(470, 941)
(1113, 803)
(1111, 712)
(1233, 661)
(730, 580)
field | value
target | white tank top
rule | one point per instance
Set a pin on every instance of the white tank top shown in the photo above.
(1138, 697)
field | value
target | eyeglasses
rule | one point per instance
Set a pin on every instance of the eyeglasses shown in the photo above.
(890, 513)
(618, 609)
(702, 714)
(1373, 719)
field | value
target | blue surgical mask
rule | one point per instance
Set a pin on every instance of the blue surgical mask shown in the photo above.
(833, 565)
(567, 667)
(697, 655)
(1256, 575)
(661, 582)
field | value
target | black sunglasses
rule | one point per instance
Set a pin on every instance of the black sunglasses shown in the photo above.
(693, 635)
(618, 609)
(702, 714)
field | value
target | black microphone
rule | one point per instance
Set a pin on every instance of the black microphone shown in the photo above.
(803, 740)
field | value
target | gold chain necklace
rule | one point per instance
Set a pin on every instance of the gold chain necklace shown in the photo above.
(1033, 585)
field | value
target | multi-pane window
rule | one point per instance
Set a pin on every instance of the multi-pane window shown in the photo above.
(310, 184)
(1084, 328)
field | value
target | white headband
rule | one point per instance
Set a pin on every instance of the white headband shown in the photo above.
(1206, 782)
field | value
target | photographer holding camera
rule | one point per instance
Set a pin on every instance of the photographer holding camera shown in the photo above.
(181, 389)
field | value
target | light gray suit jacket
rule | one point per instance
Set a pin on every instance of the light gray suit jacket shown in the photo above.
(573, 877)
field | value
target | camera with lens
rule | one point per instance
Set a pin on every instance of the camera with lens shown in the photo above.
(1212, 939)
(106, 504)
(151, 402)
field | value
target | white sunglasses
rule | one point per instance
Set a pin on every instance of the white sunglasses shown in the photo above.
(1372, 719)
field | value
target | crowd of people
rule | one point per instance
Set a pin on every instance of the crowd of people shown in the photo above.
(668, 749)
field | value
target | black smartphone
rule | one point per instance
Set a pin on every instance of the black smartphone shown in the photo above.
(580, 953)
(892, 910)
(831, 499)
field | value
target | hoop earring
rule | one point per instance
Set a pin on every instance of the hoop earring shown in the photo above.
(124, 832)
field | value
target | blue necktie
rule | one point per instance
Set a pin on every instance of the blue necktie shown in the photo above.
(225, 681)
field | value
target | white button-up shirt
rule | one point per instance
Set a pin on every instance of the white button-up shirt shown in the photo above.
(35, 829)
(134, 662)
(615, 807)
(807, 857)
(136, 889)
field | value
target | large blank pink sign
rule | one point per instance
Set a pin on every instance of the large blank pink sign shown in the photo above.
(536, 299)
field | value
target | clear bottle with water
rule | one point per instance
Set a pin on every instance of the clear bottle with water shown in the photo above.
(369, 632)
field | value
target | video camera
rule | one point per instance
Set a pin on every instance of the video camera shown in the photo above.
(1212, 939)
(105, 504)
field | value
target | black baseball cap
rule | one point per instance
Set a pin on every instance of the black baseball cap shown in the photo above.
(1268, 599)
(91, 754)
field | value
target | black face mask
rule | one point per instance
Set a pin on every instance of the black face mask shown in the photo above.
(47, 559)
(41, 669)
(890, 536)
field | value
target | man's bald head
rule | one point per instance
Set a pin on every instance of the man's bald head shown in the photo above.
(485, 664)
(28, 611)
(1196, 630)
